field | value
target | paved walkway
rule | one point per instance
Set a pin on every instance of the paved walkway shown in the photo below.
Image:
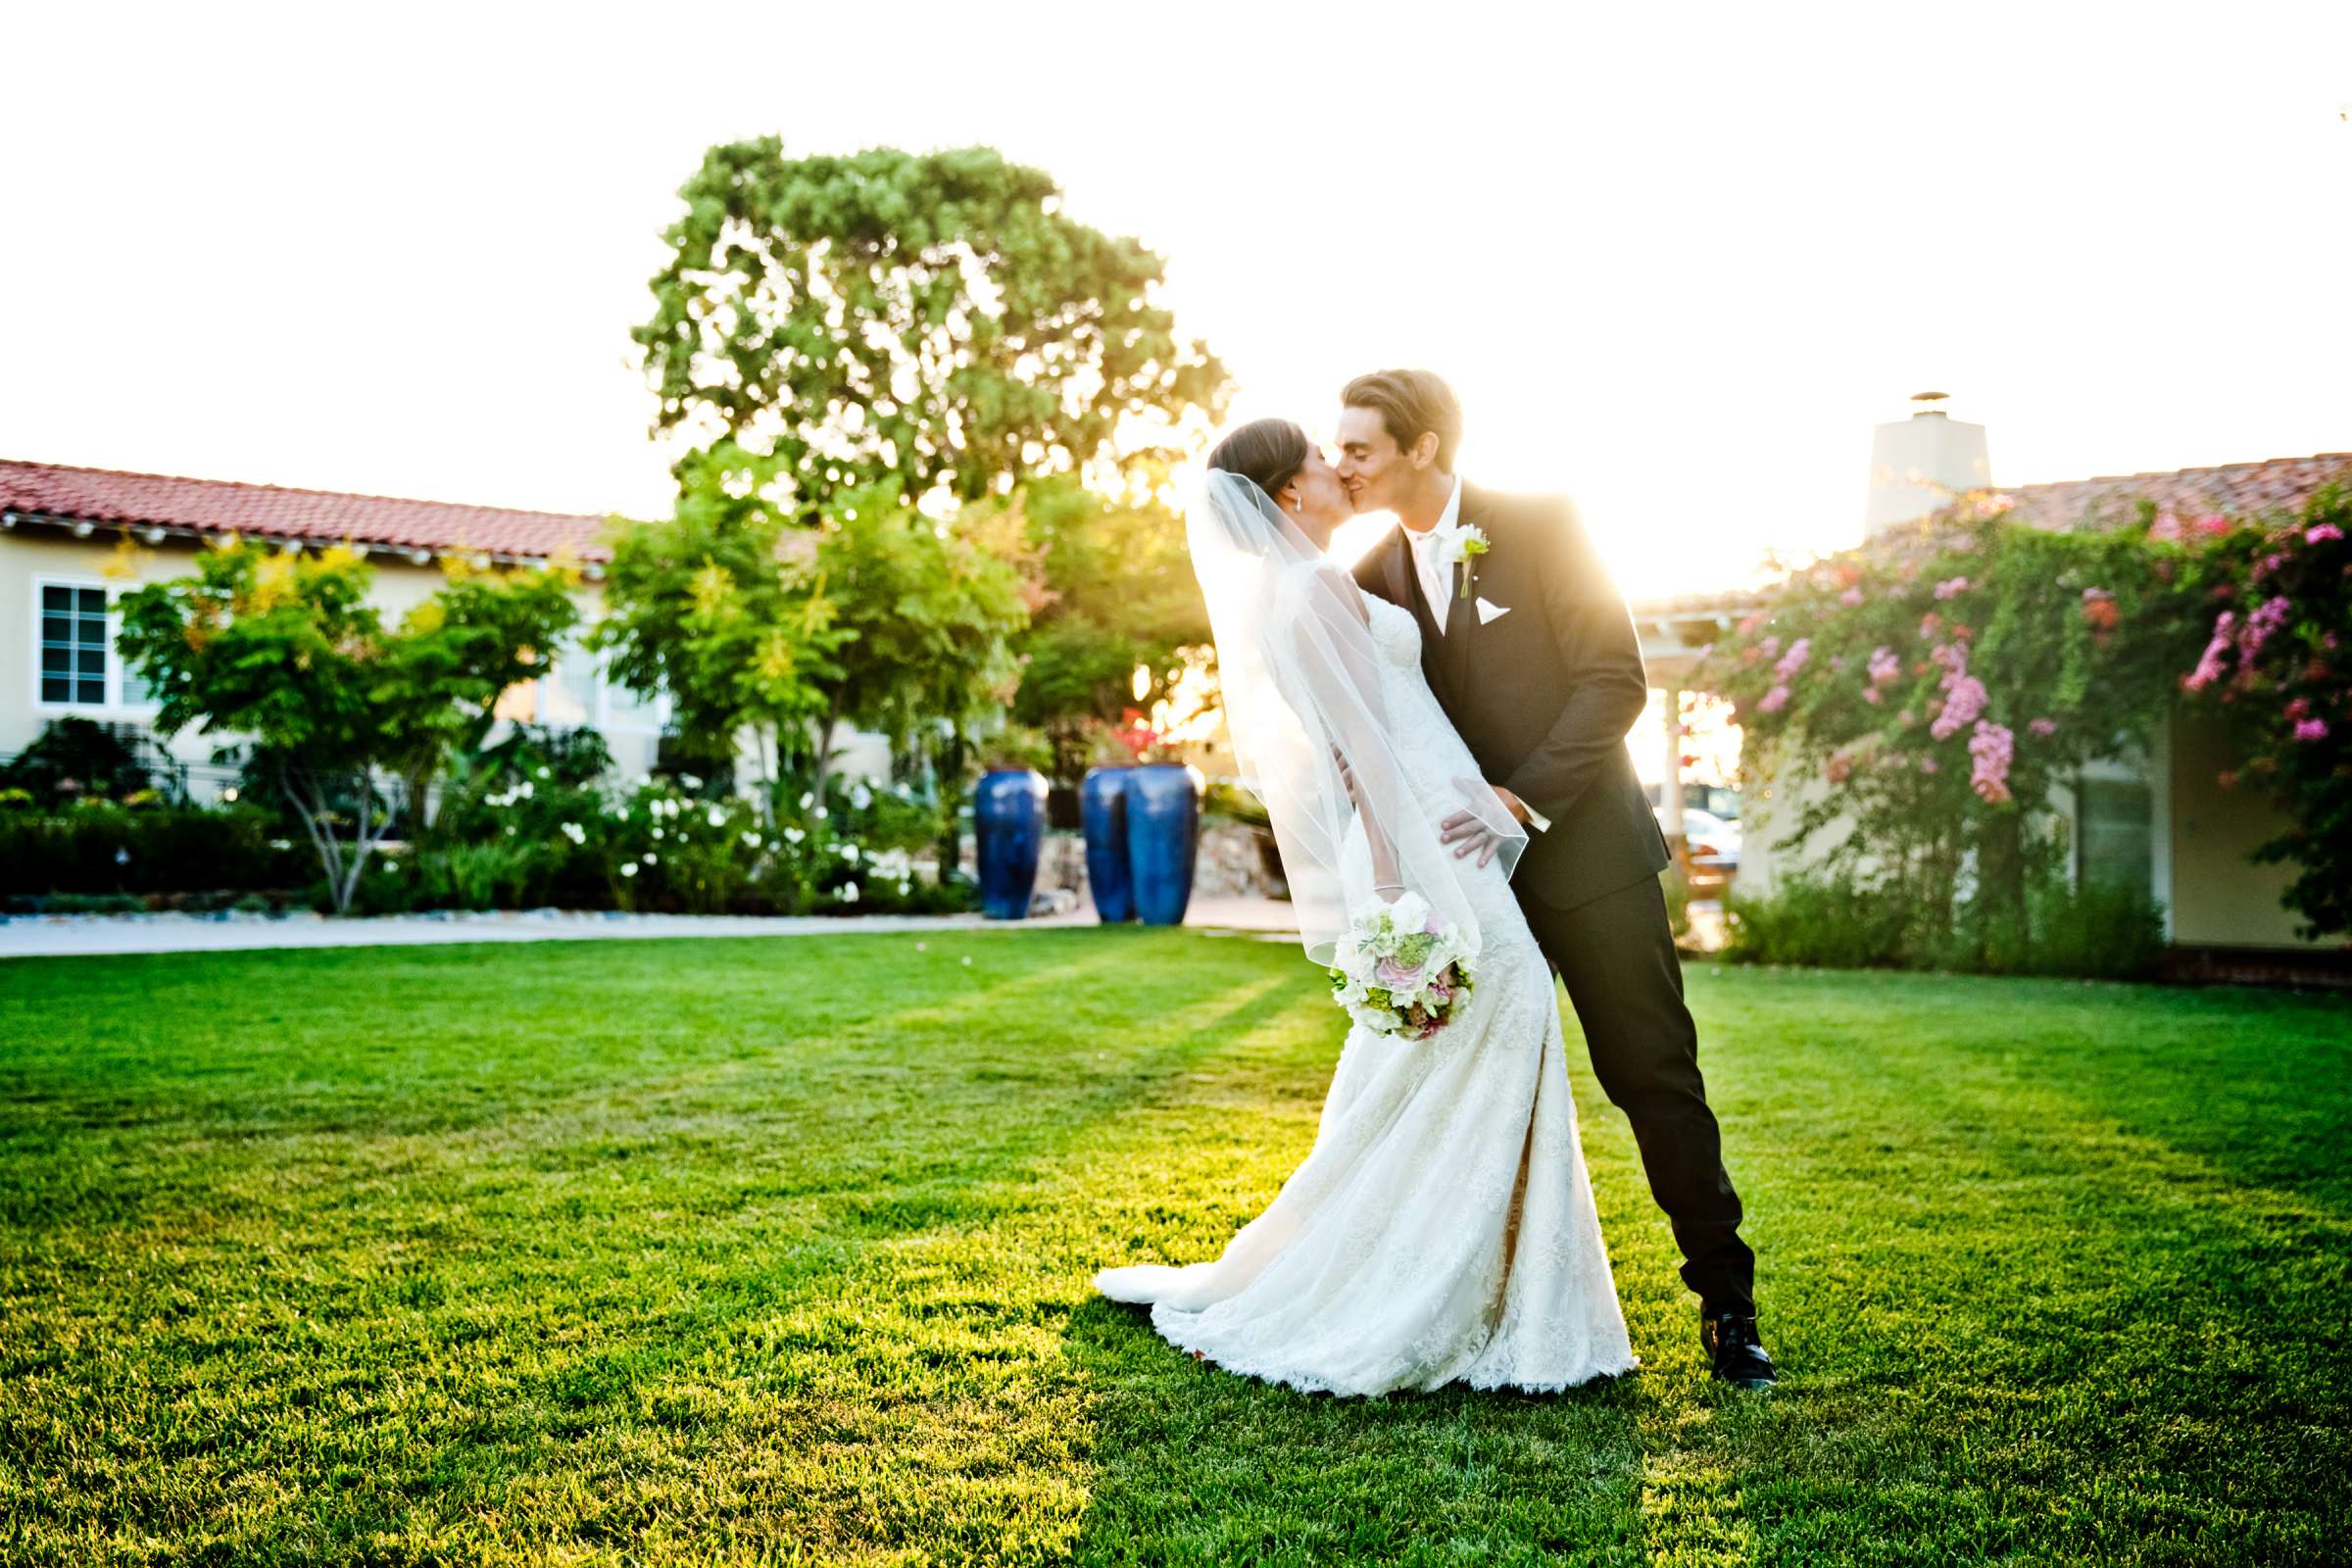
(62, 934)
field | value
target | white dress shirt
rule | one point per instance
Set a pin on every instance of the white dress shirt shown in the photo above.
(1436, 576)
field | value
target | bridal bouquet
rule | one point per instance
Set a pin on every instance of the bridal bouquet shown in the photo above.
(1401, 969)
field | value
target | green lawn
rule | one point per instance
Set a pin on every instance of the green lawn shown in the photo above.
(776, 1251)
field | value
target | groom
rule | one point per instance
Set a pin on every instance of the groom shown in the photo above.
(1534, 659)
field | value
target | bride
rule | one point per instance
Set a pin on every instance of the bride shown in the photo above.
(1442, 1229)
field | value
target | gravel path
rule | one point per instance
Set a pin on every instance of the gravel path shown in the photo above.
(63, 935)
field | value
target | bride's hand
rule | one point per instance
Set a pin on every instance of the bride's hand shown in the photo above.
(1388, 892)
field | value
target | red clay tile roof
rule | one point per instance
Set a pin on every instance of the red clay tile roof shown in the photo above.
(2233, 489)
(213, 506)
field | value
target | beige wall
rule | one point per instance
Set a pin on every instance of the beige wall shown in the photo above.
(2219, 897)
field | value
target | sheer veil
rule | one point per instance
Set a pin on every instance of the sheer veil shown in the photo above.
(1353, 793)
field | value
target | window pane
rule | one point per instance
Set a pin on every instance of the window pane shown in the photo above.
(73, 647)
(2116, 829)
(627, 708)
(569, 695)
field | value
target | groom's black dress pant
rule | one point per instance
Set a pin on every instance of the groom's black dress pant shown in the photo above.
(1616, 955)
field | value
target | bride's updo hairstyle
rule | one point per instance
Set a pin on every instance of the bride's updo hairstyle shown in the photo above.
(1268, 452)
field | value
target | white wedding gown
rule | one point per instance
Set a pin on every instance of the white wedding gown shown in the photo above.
(1442, 1229)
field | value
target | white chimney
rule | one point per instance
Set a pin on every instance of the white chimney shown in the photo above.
(1917, 466)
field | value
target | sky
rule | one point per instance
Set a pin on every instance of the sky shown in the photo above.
(1677, 262)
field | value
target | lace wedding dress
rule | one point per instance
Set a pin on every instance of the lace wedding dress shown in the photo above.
(1442, 1229)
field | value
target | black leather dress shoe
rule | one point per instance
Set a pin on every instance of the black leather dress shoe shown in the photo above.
(1738, 1356)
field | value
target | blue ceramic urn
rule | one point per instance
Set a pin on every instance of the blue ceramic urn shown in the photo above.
(1163, 828)
(1008, 817)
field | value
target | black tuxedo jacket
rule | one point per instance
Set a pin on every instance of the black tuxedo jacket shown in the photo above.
(1544, 693)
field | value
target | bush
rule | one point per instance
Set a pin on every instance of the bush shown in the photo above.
(75, 759)
(2099, 930)
(1830, 924)
(104, 847)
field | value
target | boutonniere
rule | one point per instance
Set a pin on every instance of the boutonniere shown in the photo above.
(1461, 547)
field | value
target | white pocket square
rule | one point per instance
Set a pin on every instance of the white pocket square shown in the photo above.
(1488, 611)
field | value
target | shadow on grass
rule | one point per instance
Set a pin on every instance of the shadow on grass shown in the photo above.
(1196, 1464)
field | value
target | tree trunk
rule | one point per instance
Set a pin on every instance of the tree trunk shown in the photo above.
(950, 774)
(294, 784)
(824, 750)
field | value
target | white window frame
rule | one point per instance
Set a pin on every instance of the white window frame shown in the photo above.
(113, 707)
(599, 702)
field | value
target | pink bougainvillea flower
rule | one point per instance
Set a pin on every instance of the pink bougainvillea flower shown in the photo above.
(1926, 764)
(1850, 597)
(1930, 624)
(2043, 728)
(1870, 694)
(2209, 664)
(1749, 623)
(1990, 749)
(2300, 708)
(2166, 526)
(1794, 658)
(1952, 587)
(2266, 617)
(2213, 526)
(2312, 729)
(1773, 700)
(1962, 701)
(1769, 646)
(2319, 533)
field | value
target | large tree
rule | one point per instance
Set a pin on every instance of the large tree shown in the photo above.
(1119, 596)
(287, 652)
(931, 319)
